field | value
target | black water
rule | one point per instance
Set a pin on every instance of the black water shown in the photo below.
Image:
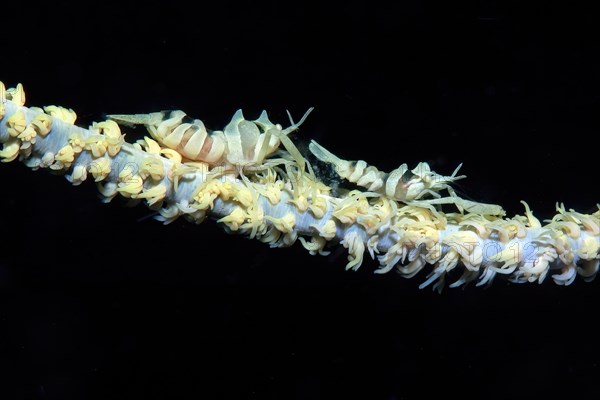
(99, 302)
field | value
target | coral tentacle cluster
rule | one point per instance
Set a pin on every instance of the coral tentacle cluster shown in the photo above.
(252, 179)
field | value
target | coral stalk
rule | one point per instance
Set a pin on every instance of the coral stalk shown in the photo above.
(251, 178)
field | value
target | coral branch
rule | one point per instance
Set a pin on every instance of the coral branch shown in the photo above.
(244, 180)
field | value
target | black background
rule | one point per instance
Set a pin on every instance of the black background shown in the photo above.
(98, 301)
